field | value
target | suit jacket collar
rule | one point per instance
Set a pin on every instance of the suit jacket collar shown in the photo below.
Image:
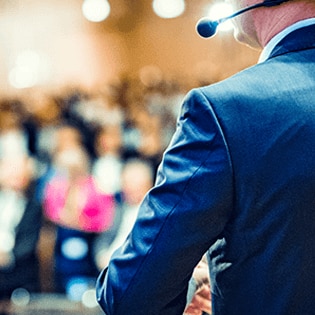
(300, 39)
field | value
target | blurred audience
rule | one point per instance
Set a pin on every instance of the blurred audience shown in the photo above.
(85, 161)
(20, 224)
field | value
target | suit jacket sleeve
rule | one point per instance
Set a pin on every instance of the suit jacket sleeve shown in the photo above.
(178, 220)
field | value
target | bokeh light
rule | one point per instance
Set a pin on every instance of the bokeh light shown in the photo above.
(96, 10)
(168, 9)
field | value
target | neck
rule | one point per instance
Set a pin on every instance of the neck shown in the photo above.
(271, 22)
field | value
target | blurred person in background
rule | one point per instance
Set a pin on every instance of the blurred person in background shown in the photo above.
(151, 145)
(90, 112)
(143, 136)
(136, 179)
(17, 128)
(20, 225)
(80, 211)
(65, 137)
(47, 115)
(107, 166)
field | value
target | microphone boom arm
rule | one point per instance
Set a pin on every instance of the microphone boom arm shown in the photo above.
(207, 27)
(258, 5)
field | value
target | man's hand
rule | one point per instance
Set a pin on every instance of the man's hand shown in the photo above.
(201, 301)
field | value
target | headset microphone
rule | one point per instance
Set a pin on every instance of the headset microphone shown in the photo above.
(207, 28)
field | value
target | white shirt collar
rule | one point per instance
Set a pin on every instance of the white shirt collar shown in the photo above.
(276, 39)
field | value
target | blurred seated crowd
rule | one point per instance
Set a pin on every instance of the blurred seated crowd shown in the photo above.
(74, 167)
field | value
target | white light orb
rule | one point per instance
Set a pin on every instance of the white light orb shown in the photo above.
(96, 10)
(168, 9)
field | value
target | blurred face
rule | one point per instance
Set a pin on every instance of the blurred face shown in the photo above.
(74, 163)
(109, 140)
(16, 173)
(67, 137)
(244, 25)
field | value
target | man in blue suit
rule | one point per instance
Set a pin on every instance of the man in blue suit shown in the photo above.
(237, 182)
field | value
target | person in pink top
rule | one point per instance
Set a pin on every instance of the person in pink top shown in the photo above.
(80, 205)
(80, 211)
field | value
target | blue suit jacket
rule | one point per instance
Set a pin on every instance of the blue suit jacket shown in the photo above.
(237, 181)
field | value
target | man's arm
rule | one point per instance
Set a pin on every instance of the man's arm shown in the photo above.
(178, 220)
